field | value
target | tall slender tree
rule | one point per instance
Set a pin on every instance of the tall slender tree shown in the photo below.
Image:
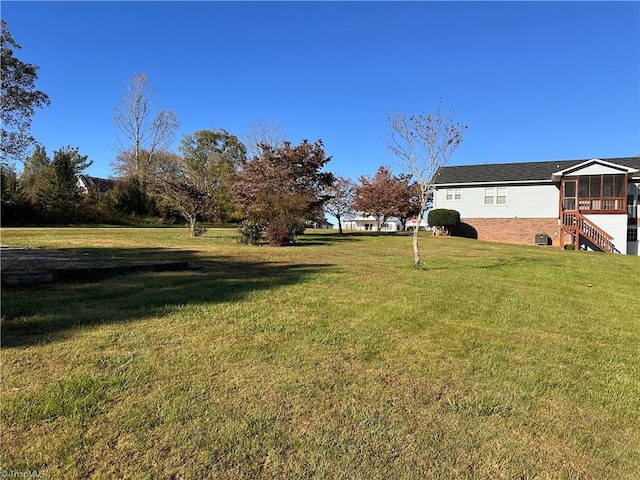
(340, 198)
(143, 129)
(19, 99)
(423, 143)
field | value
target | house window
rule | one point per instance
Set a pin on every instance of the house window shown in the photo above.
(501, 196)
(489, 196)
(495, 196)
(632, 235)
(454, 194)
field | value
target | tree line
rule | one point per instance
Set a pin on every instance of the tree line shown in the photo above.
(269, 186)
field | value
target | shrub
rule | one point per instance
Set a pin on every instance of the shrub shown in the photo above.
(283, 230)
(250, 233)
(444, 218)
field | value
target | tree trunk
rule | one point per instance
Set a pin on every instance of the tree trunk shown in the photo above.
(193, 225)
(416, 231)
(339, 225)
(416, 248)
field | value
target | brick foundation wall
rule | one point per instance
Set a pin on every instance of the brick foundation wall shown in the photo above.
(515, 230)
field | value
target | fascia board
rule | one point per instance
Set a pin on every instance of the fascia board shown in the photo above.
(479, 184)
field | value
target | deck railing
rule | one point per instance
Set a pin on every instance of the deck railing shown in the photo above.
(576, 224)
(606, 204)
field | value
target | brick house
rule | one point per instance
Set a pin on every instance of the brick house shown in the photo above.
(593, 204)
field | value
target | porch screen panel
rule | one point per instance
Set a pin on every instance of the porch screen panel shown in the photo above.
(594, 187)
(608, 186)
(602, 193)
(569, 197)
(620, 185)
(583, 187)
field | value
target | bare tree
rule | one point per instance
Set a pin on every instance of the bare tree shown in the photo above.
(263, 132)
(423, 143)
(143, 129)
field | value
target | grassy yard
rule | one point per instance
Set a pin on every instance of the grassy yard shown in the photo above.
(330, 359)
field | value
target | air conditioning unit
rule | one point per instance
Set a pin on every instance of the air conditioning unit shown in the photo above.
(542, 239)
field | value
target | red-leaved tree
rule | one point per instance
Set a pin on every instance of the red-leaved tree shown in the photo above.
(386, 195)
(282, 188)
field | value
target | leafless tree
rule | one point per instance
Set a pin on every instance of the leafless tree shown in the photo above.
(143, 129)
(263, 132)
(423, 144)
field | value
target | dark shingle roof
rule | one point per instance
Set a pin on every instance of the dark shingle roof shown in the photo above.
(515, 172)
(102, 185)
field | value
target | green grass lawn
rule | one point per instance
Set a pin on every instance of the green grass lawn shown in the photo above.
(329, 359)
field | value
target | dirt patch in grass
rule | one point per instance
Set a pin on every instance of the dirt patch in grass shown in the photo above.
(23, 266)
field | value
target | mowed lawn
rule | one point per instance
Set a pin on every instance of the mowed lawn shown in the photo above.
(329, 359)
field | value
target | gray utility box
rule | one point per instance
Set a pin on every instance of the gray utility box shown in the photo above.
(542, 239)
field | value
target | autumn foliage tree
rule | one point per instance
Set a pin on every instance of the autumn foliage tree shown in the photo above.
(408, 200)
(385, 195)
(283, 187)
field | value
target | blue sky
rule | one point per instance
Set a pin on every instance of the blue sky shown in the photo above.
(531, 80)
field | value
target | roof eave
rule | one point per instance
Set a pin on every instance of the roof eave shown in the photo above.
(493, 182)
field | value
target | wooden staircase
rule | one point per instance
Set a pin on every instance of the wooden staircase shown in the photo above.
(576, 224)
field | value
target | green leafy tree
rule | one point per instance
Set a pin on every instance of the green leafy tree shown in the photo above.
(340, 198)
(197, 184)
(63, 194)
(36, 177)
(19, 99)
(129, 198)
(12, 202)
(282, 188)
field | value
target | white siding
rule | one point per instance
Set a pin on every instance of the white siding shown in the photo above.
(595, 169)
(614, 225)
(523, 201)
(391, 225)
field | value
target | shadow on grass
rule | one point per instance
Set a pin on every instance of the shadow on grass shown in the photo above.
(332, 238)
(44, 314)
(496, 263)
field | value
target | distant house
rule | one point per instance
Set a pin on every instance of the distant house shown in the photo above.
(413, 222)
(370, 223)
(321, 224)
(98, 186)
(592, 204)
